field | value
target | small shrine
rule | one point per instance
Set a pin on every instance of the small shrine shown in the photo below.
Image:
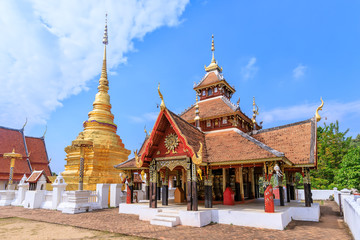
(37, 180)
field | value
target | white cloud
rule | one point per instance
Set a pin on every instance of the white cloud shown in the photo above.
(332, 111)
(299, 71)
(51, 49)
(146, 117)
(250, 70)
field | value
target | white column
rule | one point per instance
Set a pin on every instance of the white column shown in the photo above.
(59, 187)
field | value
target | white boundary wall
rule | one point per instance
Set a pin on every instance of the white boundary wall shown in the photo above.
(351, 209)
(316, 194)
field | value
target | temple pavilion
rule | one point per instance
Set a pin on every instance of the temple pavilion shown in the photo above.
(218, 154)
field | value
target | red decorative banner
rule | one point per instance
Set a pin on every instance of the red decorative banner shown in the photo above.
(128, 195)
(269, 199)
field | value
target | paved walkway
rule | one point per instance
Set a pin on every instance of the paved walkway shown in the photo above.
(330, 226)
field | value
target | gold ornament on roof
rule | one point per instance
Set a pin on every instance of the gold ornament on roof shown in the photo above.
(255, 111)
(213, 65)
(171, 142)
(162, 105)
(138, 161)
(317, 116)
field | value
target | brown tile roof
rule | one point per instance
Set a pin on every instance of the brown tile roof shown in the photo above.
(35, 175)
(208, 80)
(193, 135)
(234, 145)
(38, 156)
(296, 140)
(210, 108)
(127, 164)
(9, 139)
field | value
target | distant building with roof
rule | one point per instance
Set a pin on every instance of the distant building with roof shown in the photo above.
(33, 150)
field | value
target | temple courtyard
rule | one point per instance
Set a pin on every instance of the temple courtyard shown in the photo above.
(109, 224)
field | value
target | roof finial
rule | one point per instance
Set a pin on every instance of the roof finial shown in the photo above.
(255, 112)
(197, 113)
(24, 124)
(317, 116)
(213, 65)
(44, 132)
(105, 38)
(213, 49)
(162, 105)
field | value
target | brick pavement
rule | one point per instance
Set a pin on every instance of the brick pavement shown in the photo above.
(330, 226)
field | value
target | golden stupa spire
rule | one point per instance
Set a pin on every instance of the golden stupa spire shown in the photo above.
(213, 65)
(101, 106)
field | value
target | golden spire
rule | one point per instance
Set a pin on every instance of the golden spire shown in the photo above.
(213, 65)
(317, 116)
(162, 105)
(255, 112)
(101, 106)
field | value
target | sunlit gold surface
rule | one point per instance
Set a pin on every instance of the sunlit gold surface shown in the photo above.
(107, 147)
(317, 115)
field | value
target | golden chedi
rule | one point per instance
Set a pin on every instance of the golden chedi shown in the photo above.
(105, 148)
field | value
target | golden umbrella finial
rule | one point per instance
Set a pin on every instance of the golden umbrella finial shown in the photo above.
(317, 116)
(162, 105)
(255, 111)
(213, 49)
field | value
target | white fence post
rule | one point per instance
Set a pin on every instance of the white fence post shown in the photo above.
(59, 186)
(115, 191)
(102, 191)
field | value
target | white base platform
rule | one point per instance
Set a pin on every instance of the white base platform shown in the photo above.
(249, 214)
(7, 197)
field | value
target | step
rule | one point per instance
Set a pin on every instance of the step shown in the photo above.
(175, 219)
(164, 223)
(170, 214)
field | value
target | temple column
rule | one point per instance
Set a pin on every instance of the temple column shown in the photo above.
(147, 186)
(183, 182)
(165, 188)
(292, 186)
(224, 179)
(307, 187)
(153, 184)
(281, 189)
(287, 186)
(237, 185)
(208, 185)
(252, 176)
(158, 189)
(188, 186)
(241, 181)
(194, 192)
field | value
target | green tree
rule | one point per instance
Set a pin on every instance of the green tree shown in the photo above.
(348, 176)
(332, 147)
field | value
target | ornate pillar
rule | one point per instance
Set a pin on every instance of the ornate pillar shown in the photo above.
(165, 187)
(153, 186)
(237, 185)
(158, 184)
(292, 186)
(307, 187)
(208, 185)
(252, 171)
(147, 186)
(287, 176)
(194, 194)
(188, 186)
(241, 181)
(281, 189)
(224, 180)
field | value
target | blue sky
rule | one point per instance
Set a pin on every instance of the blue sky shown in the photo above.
(287, 54)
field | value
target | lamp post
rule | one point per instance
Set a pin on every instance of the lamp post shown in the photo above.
(13, 156)
(81, 143)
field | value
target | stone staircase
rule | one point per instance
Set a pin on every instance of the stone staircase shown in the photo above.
(167, 218)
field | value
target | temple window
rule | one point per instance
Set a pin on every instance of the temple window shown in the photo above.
(215, 90)
(210, 92)
(224, 120)
(208, 123)
(204, 93)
